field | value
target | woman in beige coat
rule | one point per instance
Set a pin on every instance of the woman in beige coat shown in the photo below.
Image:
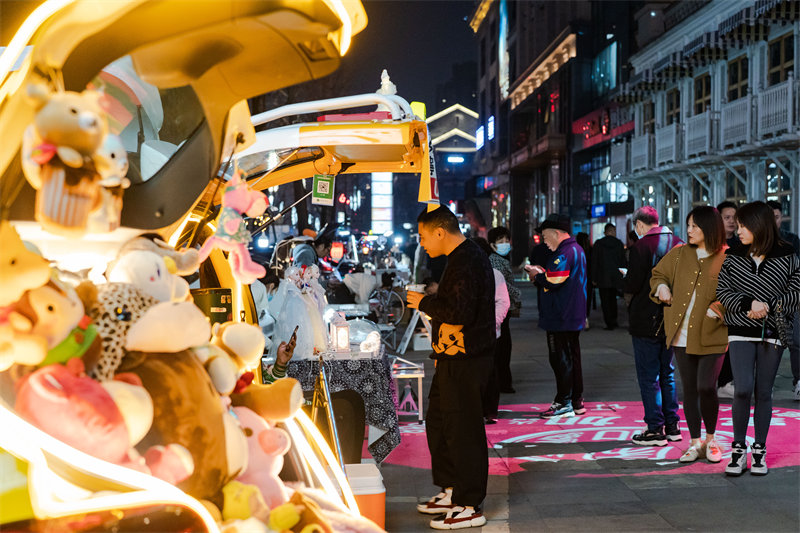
(685, 281)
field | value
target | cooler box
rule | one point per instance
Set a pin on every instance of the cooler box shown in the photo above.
(367, 484)
(421, 342)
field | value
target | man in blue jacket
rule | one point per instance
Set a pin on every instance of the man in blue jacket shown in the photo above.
(462, 313)
(562, 313)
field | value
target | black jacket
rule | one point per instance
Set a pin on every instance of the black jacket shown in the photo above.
(645, 315)
(608, 256)
(462, 310)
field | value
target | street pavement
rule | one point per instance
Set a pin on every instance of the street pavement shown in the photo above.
(582, 473)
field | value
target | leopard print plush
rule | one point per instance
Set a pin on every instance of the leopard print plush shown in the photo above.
(116, 308)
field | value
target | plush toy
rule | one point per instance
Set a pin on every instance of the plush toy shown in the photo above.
(103, 420)
(168, 327)
(275, 402)
(113, 308)
(151, 273)
(20, 271)
(56, 314)
(111, 162)
(243, 501)
(58, 151)
(232, 235)
(186, 261)
(266, 447)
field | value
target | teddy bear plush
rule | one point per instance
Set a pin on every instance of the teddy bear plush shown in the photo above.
(151, 273)
(186, 261)
(104, 420)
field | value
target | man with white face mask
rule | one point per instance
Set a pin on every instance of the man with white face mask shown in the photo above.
(500, 240)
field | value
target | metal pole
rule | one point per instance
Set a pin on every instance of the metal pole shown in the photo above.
(322, 399)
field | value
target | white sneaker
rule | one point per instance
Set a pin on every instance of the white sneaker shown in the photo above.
(692, 454)
(726, 391)
(796, 391)
(459, 518)
(758, 460)
(441, 503)
(738, 462)
(713, 451)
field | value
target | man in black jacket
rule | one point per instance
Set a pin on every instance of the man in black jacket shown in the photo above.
(608, 256)
(462, 313)
(654, 368)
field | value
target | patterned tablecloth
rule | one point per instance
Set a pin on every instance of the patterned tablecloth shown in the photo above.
(372, 379)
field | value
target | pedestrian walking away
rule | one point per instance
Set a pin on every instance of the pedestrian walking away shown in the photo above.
(759, 285)
(608, 256)
(463, 319)
(685, 281)
(655, 371)
(562, 313)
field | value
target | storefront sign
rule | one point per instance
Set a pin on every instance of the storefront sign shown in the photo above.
(322, 193)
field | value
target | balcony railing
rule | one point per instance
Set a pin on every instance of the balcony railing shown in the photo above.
(619, 159)
(641, 152)
(668, 144)
(736, 122)
(701, 135)
(776, 108)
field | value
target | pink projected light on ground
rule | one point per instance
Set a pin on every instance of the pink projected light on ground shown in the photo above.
(521, 438)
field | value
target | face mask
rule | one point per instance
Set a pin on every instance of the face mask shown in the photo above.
(503, 248)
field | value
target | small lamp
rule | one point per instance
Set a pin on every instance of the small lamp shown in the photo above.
(340, 334)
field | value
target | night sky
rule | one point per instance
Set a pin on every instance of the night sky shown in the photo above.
(417, 41)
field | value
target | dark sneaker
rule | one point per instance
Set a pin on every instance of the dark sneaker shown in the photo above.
(441, 503)
(649, 438)
(557, 409)
(673, 433)
(578, 408)
(738, 462)
(758, 460)
(459, 518)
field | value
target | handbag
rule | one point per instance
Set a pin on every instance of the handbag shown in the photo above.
(782, 325)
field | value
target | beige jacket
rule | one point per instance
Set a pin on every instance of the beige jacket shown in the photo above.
(684, 273)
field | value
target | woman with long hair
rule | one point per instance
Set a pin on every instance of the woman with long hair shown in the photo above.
(759, 285)
(685, 281)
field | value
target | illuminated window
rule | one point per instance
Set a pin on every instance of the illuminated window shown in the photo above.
(604, 71)
(737, 78)
(781, 59)
(490, 128)
(702, 94)
(479, 138)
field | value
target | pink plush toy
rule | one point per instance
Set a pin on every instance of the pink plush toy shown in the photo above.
(266, 446)
(102, 420)
(232, 235)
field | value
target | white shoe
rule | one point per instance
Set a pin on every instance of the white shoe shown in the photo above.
(713, 451)
(738, 462)
(459, 518)
(441, 503)
(796, 391)
(586, 325)
(692, 454)
(758, 460)
(726, 391)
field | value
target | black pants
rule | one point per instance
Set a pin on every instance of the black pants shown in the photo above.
(500, 378)
(699, 379)
(726, 373)
(608, 301)
(565, 360)
(455, 430)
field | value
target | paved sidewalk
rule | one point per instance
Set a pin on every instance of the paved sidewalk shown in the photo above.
(582, 474)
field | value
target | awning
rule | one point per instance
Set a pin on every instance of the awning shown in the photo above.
(704, 50)
(671, 68)
(743, 28)
(777, 11)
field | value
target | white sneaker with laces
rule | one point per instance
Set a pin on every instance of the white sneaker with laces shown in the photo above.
(459, 518)
(692, 454)
(713, 451)
(441, 503)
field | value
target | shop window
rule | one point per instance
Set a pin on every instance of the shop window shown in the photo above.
(779, 188)
(702, 94)
(737, 78)
(781, 59)
(673, 106)
(648, 117)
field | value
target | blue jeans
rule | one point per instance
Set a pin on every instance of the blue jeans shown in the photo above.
(656, 375)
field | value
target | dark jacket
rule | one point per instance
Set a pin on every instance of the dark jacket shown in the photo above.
(539, 255)
(792, 239)
(462, 310)
(646, 316)
(608, 256)
(741, 282)
(563, 298)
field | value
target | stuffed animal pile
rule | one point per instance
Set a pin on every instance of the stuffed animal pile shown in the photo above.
(132, 372)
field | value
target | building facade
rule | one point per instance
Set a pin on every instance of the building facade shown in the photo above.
(714, 98)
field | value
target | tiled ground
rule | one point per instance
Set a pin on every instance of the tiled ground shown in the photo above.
(574, 494)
